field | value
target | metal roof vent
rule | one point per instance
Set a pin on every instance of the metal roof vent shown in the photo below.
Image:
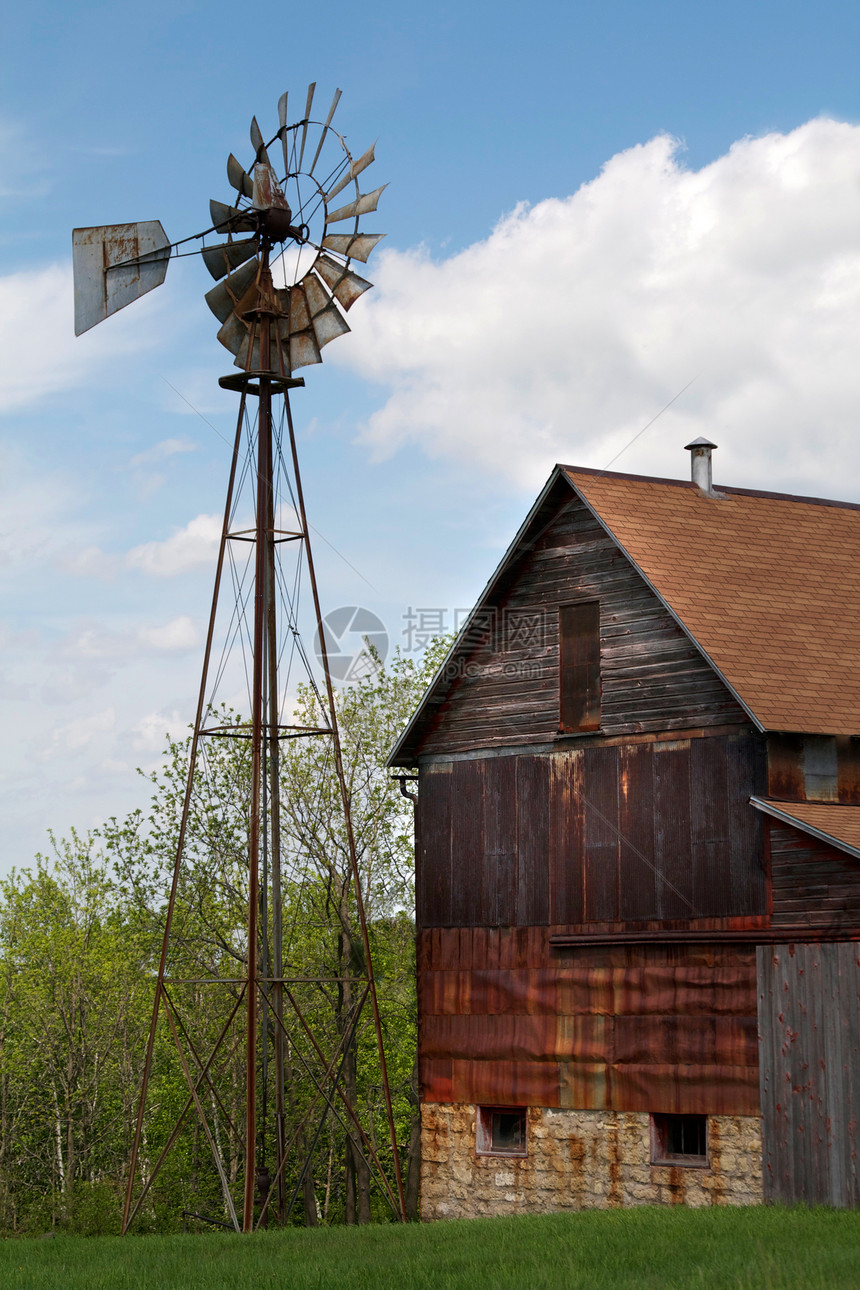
(700, 463)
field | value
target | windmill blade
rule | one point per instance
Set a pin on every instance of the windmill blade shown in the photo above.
(229, 219)
(300, 314)
(363, 205)
(345, 285)
(326, 318)
(257, 143)
(113, 265)
(331, 110)
(224, 298)
(282, 118)
(352, 172)
(304, 350)
(355, 246)
(238, 178)
(308, 106)
(234, 334)
(228, 256)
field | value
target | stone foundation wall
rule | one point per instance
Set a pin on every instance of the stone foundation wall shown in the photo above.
(579, 1160)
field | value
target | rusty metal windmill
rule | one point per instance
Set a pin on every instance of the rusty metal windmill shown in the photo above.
(281, 254)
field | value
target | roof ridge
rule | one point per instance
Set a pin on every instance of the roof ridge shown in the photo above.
(722, 488)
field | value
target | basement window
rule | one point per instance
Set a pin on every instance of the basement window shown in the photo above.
(501, 1131)
(579, 667)
(679, 1140)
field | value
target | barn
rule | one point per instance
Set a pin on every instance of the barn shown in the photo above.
(638, 856)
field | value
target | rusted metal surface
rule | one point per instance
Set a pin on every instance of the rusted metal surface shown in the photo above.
(641, 1027)
(809, 768)
(114, 265)
(809, 1023)
(658, 831)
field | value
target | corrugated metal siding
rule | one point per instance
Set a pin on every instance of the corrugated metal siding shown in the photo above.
(652, 677)
(809, 1025)
(505, 1019)
(606, 833)
(812, 883)
(809, 768)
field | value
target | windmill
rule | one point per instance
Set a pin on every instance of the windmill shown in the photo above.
(281, 254)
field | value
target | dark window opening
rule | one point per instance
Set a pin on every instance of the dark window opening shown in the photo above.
(501, 1131)
(579, 667)
(679, 1140)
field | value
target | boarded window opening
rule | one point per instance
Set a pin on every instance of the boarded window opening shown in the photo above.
(501, 1131)
(579, 667)
(679, 1140)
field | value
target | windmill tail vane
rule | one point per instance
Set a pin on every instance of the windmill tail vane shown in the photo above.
(281, 254)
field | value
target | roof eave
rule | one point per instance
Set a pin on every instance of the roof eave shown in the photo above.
(771, 808)
(397, 756)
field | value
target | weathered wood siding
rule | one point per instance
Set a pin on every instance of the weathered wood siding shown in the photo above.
(659, 830)
(506, 1020)
(809, 1026)
(505, 688)
(813, 884)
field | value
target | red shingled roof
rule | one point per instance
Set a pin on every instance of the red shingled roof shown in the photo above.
(767, 585)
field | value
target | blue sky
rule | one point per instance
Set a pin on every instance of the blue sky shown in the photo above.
(590, 207)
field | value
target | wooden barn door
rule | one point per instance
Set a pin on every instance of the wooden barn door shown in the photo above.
(809, 1051)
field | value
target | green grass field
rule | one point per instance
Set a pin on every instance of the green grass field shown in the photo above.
(771, 1248)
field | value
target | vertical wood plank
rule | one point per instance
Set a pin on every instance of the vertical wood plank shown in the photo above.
(637, 894)
(500, 837)
(467, 843)
(672, 844)
(533, 841)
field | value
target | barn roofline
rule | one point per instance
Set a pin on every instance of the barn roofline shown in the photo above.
(398, 756)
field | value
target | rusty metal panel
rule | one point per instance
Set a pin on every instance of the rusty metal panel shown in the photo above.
(746, 765)
(500, 836)
(685, 1090)
(506, 1083)
(820, 768)
(672, 851)
(467, 843)
(785, 767)
(687, 1040)
(579, 666)
(709, 826)
(567, 903)
(436, 1080)
(637, 886)
(433, 863)
(809, 1028)
(501, 1037)
(584, 1086)
(601, 834)
(113, 265)
(848, 748)
(533, 839)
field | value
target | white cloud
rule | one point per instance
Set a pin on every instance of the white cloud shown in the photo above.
(76, 735)
(577, 319)
(162, 451)
(150, 732)
(41, 353)
(173, 637)
(188, 548)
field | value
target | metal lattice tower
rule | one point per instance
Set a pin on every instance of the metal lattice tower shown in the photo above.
(283, 281)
